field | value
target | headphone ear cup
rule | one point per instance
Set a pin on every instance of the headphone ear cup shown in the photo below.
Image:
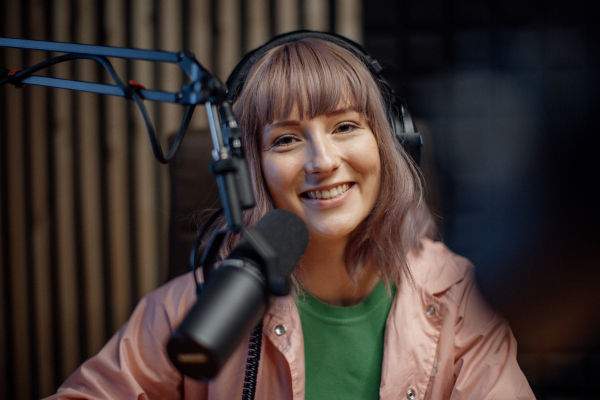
(402, 124)
(406, 133)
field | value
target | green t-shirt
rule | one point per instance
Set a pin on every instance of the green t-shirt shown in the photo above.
(343, 346)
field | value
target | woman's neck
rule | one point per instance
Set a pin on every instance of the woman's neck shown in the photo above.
(323, 274)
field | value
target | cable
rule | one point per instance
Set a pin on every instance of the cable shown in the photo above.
(68, 57)
(254, 350)
(129, 92)
(154, 141)
(201, 232)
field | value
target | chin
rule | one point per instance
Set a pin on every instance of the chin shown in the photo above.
(331, 232)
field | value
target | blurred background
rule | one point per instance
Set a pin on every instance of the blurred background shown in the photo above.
(504, 92)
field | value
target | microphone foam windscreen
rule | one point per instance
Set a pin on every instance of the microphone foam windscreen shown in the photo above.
(285, 233)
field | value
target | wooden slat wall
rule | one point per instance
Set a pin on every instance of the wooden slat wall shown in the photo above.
(83, 204)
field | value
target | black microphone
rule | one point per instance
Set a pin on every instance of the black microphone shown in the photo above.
(236, 296)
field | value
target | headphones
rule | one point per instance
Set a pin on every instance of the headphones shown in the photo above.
(402, 124)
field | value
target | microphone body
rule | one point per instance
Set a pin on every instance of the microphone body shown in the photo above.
(227, 309)
(236, 296)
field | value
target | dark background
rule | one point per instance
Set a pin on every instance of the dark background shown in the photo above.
(506, 93)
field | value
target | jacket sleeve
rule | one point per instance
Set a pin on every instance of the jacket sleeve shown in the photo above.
(134, 364)
(485, 365)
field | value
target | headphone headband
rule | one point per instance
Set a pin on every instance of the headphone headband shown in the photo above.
(399, 117)
(237, 78)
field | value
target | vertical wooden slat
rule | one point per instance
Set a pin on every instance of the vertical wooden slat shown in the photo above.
(4, 345)
(4, 381)
(287, 16)
(67, 290)
(229, 37)
(41, 229)
(200, 36)
(18, 246)
(118, 183)
(5, 334)
(19, 349)
(41, 242)
(258, 24)
(130, 149)
(29, 100)
(4, 259)
(317, 15)
(87, 132)
(55, 363)
(145, 179)
(100, 74)
(348, 19)
(171, 76)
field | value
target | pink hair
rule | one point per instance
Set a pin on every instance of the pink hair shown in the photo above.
(317, 76)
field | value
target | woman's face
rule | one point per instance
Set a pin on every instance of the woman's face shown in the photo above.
(325, 169)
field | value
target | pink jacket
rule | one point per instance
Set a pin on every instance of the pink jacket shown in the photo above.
(442, 342)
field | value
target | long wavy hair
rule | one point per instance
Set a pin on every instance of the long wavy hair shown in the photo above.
(317, 77)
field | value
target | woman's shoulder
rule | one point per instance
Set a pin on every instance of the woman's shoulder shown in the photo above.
(174, 298)
(436, 268)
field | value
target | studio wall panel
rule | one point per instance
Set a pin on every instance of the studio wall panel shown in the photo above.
(84, 206)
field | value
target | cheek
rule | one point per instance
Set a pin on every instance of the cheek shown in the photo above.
(367, 161)
(276, 180)
(369, 164)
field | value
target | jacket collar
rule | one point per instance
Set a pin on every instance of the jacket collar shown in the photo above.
(443, 267)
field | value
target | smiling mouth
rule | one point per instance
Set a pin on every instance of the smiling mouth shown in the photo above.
(327, 194)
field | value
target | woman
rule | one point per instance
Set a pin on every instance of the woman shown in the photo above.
(379, 310)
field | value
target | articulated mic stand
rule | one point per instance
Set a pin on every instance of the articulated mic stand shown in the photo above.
(228, 165)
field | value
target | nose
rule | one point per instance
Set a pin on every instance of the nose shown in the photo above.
(322, 157)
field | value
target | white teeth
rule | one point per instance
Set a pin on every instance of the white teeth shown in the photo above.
(327, 194)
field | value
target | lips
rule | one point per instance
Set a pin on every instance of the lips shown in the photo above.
(328, 193)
